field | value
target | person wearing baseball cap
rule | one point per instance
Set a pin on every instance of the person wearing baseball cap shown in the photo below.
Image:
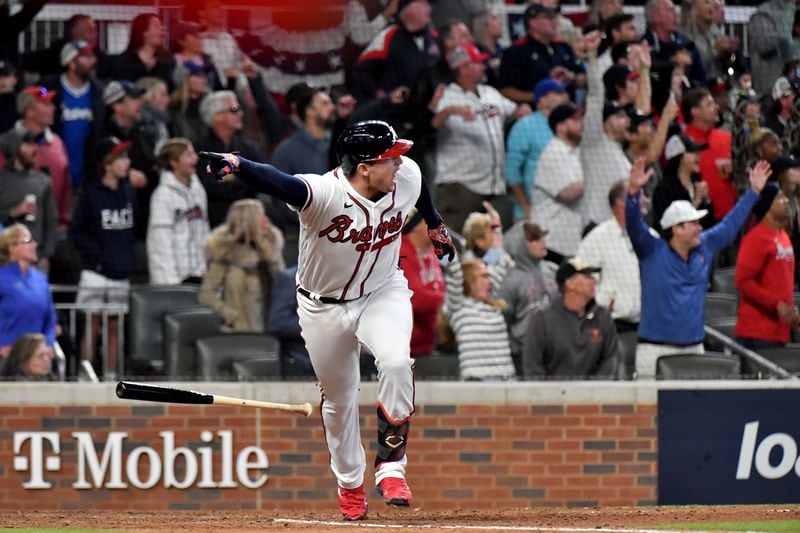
(621, 84)
(602, 154)
(79, 108)
(559, 183)
(117, 91)
(74, 49)
(37, 110)
(573, 337)
(783, 97)
(123, 102)
(470, 139)
(103, 234)
(675, 268)
(682, 180)
(537, 56)
(765, 275)
(26, 194)
(466, 54)
(526, 141)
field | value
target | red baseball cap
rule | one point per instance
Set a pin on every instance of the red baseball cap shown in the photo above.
(30, 95)
(112, 146)
(466, 53)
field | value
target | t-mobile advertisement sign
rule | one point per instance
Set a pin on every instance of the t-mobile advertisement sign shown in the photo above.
(731, 446)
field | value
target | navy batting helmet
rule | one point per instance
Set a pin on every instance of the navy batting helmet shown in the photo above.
(370, 140)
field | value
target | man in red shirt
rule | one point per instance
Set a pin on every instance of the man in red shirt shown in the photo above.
(765, 275)
(421, 267)
(701, 113)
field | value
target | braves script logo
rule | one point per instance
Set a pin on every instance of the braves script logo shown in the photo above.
(341, 230)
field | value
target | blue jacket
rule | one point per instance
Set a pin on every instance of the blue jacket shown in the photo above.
(674, 290)
(26, 305)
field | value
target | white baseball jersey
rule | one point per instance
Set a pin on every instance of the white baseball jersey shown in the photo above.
(350, 245)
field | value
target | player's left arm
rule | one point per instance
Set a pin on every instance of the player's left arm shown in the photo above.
(261, 176)
(442, 243)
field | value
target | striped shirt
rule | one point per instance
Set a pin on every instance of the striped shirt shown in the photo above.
(484, 352)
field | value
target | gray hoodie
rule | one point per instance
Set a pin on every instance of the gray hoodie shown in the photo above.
(527, 286)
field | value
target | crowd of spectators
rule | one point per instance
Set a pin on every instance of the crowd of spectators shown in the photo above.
(621, 159)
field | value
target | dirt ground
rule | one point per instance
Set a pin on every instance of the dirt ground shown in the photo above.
(537, 519)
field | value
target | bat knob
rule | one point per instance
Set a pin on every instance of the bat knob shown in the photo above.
(120, 389)
(307, 409)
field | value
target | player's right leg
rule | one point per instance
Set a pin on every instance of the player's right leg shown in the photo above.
(328, 333)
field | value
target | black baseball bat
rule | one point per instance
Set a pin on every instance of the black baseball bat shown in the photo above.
(128, 390)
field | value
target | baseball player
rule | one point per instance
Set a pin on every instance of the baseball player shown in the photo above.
(351, 292)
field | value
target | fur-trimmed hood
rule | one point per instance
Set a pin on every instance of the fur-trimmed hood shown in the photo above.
(221, 247)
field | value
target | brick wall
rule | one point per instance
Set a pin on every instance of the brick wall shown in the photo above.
(492, 455)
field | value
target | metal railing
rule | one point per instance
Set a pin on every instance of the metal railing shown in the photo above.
(77, 313)
(731, 346)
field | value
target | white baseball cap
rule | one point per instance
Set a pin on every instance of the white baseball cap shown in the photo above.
(680, 144)
(681, 211)
(782, 87)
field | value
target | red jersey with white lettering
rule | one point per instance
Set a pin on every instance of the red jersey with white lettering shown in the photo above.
(350, 245)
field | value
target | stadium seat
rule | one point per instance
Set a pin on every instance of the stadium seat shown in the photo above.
(147, 306)
(722, 280)
(721, 305)
(698, 366)
(181, 329)
(787, 357)
(261, 369)
(436, 367)
(626, 365)
(217, 353)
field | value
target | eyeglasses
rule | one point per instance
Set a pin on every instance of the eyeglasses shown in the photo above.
(26, 240)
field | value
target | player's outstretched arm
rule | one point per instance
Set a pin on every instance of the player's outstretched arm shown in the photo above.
(263, 177)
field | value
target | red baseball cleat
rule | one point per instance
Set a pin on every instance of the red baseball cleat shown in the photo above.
(395, 491)
(353, 503)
